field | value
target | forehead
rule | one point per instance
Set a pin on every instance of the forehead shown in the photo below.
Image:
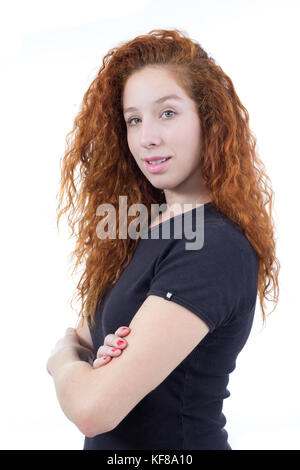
(149, 85)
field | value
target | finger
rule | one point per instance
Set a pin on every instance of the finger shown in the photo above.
(70, 331)
(115, 341)
(122, 331)
(101, 361)
(104, 350)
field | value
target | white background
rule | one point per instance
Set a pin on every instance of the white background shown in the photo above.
(50, 53)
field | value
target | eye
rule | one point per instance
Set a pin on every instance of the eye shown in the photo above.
(132, 119)
(168, 111)
(129, 120)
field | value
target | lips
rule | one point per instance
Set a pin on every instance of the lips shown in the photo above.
(154, 159)
(157, 167)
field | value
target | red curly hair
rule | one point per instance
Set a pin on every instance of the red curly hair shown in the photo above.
(231, 169)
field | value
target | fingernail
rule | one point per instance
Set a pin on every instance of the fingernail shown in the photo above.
(105, 357)
(120, 342)
(125, 329)
(115, 349)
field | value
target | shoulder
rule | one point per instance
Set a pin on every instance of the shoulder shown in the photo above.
(221, 246)
(226, 238)
(221, 239)
(234, 257)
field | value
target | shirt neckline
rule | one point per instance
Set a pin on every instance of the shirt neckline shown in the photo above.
(207, 204)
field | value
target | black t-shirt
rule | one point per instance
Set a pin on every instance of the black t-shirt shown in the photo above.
(219, 284)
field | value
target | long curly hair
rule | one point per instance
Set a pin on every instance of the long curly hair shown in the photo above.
(97, 165)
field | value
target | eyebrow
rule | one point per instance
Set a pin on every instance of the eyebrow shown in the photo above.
(160, 100)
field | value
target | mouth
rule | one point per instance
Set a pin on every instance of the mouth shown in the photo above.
(158, 165)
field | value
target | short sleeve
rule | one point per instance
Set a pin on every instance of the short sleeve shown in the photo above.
(209, 281)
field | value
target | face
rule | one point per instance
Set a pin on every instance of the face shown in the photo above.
(165, 128)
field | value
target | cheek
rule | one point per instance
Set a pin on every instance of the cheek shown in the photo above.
(185, 133)
(132, 144)
(190, 137)
(134, 150)
(187, 143)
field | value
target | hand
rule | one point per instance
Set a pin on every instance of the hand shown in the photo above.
(111, 348)
(69, 347)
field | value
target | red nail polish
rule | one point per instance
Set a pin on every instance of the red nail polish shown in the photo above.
(115, 349)
(105, 357)
(120, 342)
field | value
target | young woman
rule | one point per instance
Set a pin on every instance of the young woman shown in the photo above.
(189, 311)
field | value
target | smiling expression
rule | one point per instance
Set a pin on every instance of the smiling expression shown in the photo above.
(160, 126)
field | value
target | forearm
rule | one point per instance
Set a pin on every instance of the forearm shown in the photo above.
(72, 385)
(79, 387)
(72, 381)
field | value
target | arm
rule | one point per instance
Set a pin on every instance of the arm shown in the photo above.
(71, 375)
(70, 378)
(163, 334)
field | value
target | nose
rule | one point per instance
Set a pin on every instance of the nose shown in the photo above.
(150, 134)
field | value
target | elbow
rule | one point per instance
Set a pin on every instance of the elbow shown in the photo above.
(91, 424)
(85, 427)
